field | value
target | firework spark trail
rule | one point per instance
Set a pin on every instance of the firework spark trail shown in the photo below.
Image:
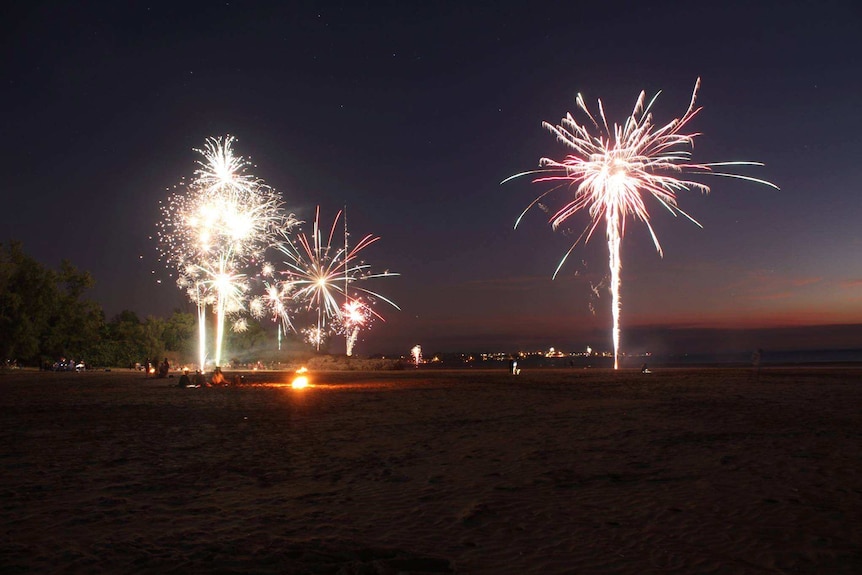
(230, 288)
(355, 316)
(190, 281)
(321, 274)
(613, 171)
(183, 244)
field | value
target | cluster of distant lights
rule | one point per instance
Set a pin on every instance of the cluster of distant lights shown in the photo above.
(550, 353)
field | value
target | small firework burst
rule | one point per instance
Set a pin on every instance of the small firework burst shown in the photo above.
(356, 315)
(314, 336)
(321, 273)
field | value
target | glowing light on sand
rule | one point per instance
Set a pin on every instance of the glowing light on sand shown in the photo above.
(301, 380)
(416, 352)
(321, 273)
(612, 172)
(214, 227)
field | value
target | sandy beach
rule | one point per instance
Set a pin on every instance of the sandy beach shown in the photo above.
(419, 471)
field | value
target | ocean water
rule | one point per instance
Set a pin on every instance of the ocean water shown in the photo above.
(769, 357)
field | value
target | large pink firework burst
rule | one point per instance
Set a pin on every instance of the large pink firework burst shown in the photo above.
(612, 172)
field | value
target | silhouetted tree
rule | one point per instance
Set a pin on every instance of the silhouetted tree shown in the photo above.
(28, 297)
(44, 315)
(74, 327)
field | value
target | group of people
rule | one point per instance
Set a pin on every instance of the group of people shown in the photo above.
(217, 379)
(197, 379)
(161, 371)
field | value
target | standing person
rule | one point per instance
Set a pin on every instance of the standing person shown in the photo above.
(756, 358)
(164, 368)
(513, 367)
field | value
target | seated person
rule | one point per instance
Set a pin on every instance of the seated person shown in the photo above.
(199, 380)
(184, 379)
(218, 377)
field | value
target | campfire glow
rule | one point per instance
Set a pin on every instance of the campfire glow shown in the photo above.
(301, 380)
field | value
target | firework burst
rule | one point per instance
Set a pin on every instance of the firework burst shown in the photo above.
(612, 172)
(314, 336)
(220, 170)
(356, 315)
(210, 230)
(275, 303)
(322, 273)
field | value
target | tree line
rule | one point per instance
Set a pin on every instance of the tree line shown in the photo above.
(45, 317)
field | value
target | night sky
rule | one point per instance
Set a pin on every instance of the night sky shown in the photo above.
(412, 114)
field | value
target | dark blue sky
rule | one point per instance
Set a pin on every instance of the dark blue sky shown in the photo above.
(412, 114)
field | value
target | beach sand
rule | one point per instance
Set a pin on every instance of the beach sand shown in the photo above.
(420, 471)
